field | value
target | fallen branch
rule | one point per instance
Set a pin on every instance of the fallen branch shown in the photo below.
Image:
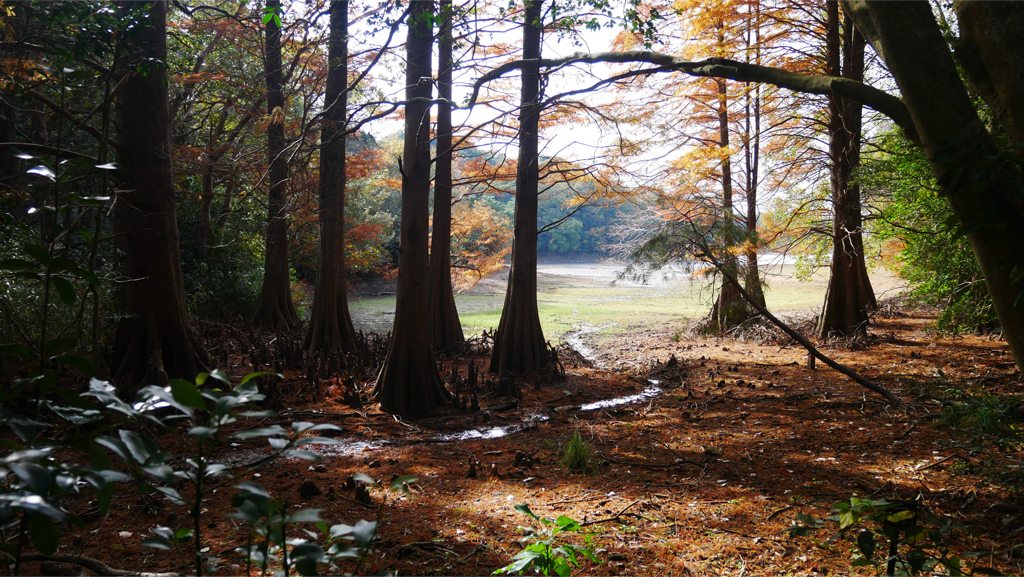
(939, 462)
(871, 386)
(614, 517)
(96, 566)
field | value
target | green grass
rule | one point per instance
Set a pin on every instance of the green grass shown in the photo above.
(612, 310)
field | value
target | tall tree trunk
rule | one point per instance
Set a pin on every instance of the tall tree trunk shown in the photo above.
(958, 146)
(154, 340)
(519, 345)
(274, 307)
(730, 309)
(408, 383)
(445, 326)
(330, 326)
(752, 146)
(849, 298)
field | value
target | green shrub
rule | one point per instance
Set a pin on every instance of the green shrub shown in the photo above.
(896, 537)
(544, 553)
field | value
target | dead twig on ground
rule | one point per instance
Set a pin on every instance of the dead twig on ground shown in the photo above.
(614, 517)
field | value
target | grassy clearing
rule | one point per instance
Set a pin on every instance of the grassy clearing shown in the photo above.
(612, 310)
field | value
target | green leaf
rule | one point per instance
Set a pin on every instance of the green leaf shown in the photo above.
(81, 362)
(119, 448)
(44, 171)
(364, 532)
(136, 445)
(364, 478)
(401, 483)
(187, 394)
(65, 290)
(16, 264)
(304, 516)
(303, 454)
(34, 476)
(525, 510)
(901, 516)
(157, 543)
(252, 376)
(44, 533)
(17, 349)
(866, 543)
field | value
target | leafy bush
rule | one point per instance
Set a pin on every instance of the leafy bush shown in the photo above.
(32, 478)
(897, 537)
(934, 255)
(545, 554)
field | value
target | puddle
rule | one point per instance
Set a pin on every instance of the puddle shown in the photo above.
(488, 432)
(649, 393)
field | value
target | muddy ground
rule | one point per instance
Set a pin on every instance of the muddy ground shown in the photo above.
(699, 477)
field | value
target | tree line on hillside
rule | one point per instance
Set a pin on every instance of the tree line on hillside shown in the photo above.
(171, 158)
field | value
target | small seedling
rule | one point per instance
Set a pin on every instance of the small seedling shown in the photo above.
(576, 457)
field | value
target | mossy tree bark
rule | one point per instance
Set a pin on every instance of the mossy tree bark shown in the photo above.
(409, 383)
(154, 340)
(519, 345)
(849, 298)
(274, 308)
(445, 327)
(330, 326)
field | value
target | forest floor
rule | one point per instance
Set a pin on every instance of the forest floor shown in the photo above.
(698, 476)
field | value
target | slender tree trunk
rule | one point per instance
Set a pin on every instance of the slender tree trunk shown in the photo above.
(730, 309)
(274, 307)
(408, 383)
(154, 341)
(445, 326)
(752, 144)
(849, 298)
(330, 326)
(519, 345)
(958, 146)
(210, 159)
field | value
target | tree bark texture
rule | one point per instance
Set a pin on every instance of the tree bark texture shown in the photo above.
(330, 326)
(154, 341)
(274, 308)
(849, 298)
(445, 327)
(409, 383)
(957, 143)
(519, 345)
(729, 310)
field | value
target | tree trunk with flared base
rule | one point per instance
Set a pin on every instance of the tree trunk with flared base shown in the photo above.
(154, 340)
(850, 298)
(409, 383)
(445, 327)
(519, 345)
(330, 326)
(274, 308)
